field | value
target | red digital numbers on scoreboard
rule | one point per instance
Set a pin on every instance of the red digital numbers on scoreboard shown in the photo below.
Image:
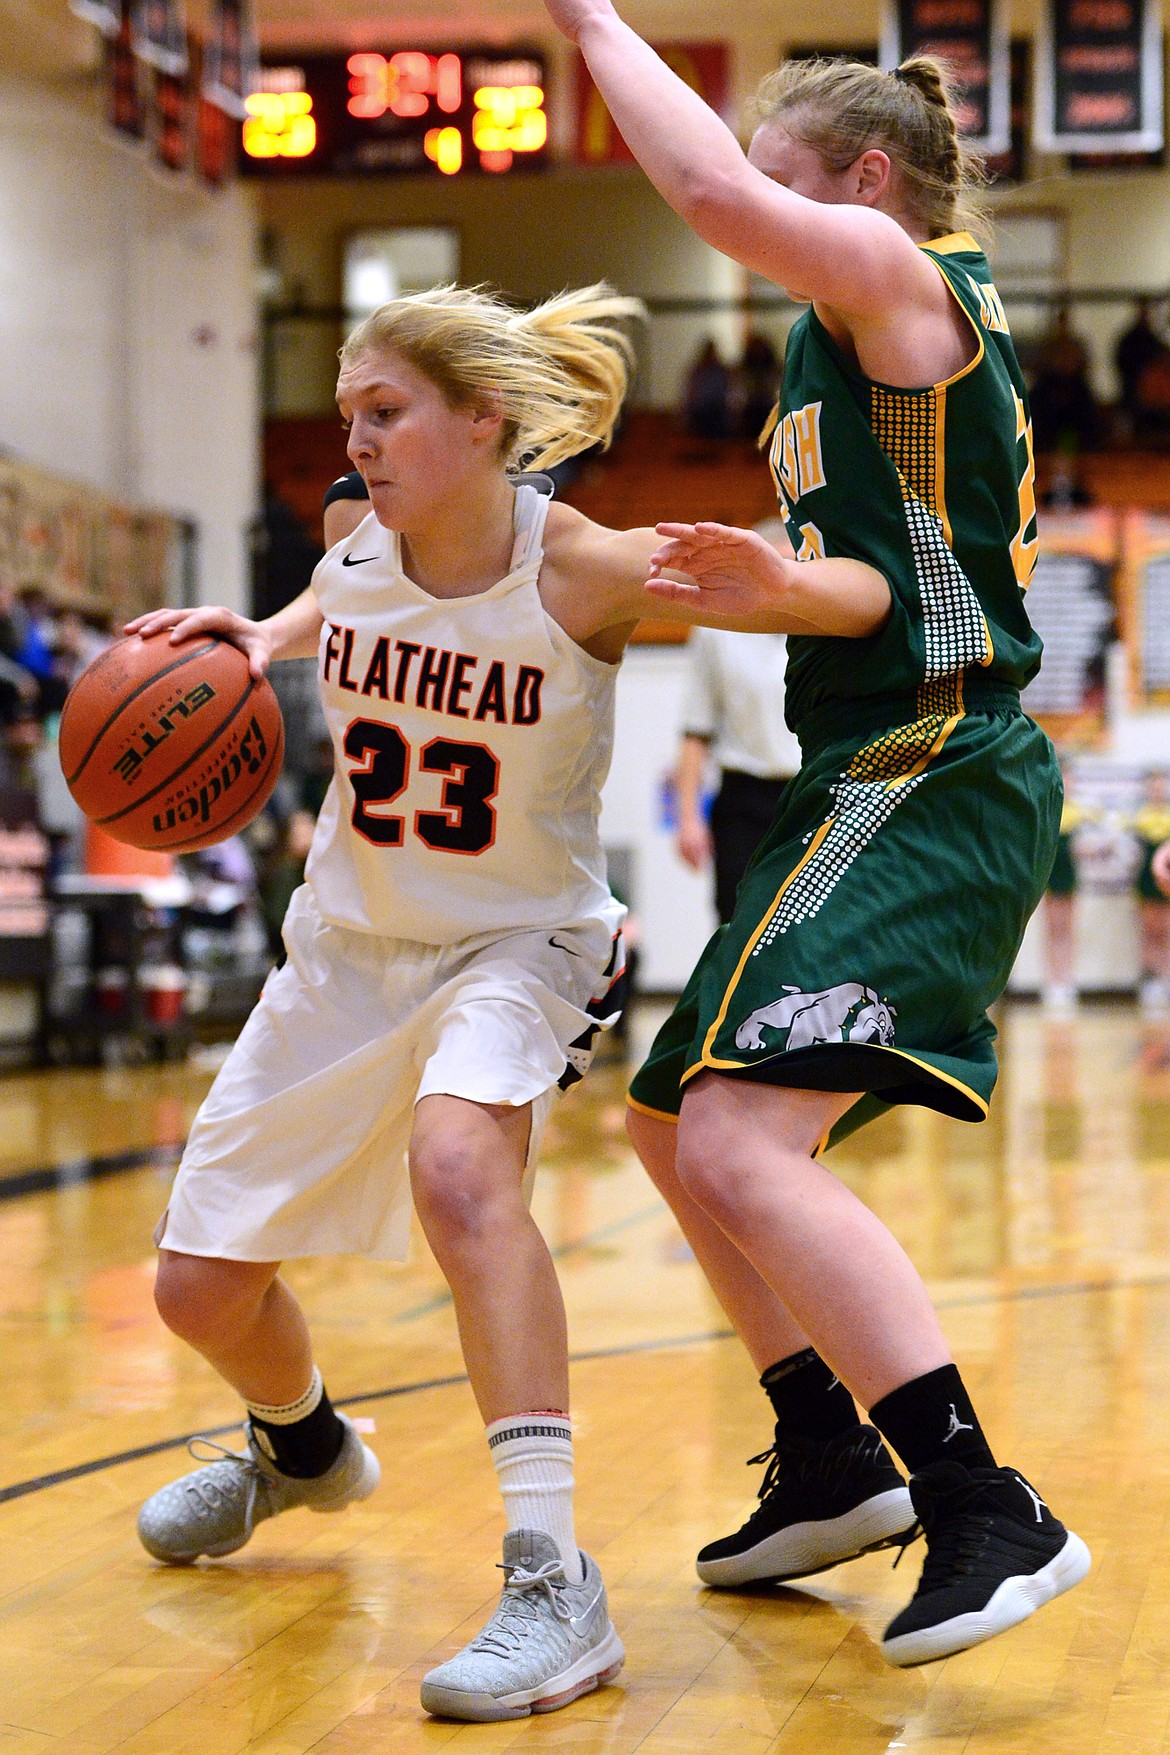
(405, 84)
(398, 112)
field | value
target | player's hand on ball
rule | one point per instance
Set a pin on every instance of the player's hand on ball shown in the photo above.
(735, 572)
(1160, 867)
(188, 624)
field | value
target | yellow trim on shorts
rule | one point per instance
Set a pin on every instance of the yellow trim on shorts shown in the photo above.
(947, 1079)
(654, 1114)
(902, 1053)
(707, 1058)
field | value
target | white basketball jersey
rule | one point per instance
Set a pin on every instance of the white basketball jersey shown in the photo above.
(471, 739)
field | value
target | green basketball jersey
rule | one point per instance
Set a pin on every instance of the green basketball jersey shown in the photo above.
(935, 488)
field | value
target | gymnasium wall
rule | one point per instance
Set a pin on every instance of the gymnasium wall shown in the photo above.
(1117, 229)
(534, 234)
(127, 332)
(529, 234)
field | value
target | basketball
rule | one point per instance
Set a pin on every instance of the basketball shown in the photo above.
(171, 748)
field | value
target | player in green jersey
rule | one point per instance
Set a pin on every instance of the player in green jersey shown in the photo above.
(881, 916)
(1151, 825)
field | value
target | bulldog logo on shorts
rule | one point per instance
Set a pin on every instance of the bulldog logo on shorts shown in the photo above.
(848, 1012)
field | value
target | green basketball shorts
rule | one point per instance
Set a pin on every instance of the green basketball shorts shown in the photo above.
(882, 914)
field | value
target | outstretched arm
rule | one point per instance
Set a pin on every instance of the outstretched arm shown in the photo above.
(719, 576)
(293, 632)
(850, 257)
(711, 575)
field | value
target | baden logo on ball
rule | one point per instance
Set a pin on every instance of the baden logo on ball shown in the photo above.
(171, 748)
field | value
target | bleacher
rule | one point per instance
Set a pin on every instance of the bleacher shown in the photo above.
(654, 471)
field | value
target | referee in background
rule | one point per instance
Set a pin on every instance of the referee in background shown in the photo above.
(733, 715)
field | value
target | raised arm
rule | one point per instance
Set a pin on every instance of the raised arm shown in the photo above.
(850, 257)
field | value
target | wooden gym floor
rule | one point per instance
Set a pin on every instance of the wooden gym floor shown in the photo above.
(1045, 1235)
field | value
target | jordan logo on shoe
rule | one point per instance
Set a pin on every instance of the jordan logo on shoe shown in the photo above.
(1040, 1504)
(262, 1441)
(957, 1426)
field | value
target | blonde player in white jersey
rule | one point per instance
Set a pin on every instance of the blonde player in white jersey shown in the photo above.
(455, 945)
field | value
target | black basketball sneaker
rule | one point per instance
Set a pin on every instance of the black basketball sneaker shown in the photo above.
(994, 1555)
(822, 1501)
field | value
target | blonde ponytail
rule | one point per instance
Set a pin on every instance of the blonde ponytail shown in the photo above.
(841, 108)
(557, 373)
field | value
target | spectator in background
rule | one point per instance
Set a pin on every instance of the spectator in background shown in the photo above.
(1152, 407)
(9, 626)
(1135, 348)
(283, 871)
(1067, 488)
(1151, 827)
(708, 395)
(1065, 415)
(35, 632)
(1059, 993)
(19, 738)
(760, 373)
(284, 556)
(1160, 867)
(316, 780)
(18, 690)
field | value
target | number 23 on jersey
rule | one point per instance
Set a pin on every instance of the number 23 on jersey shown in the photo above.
(464, 820)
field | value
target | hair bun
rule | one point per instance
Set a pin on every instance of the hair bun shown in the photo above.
(928, 77)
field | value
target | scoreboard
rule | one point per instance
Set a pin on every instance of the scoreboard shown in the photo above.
(398, 111)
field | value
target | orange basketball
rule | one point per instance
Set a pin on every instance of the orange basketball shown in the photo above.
(171, 747)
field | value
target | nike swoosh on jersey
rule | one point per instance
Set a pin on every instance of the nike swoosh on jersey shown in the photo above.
(356, 561)
(558, 946)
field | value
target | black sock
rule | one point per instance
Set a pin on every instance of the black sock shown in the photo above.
(930, 1420)
(808, 1401)
(304, 1445)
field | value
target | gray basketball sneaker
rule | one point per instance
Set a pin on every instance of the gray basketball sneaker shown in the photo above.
(548, 1642)
(214, 1510)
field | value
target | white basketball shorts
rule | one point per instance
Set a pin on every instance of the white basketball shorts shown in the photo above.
(300, 1146)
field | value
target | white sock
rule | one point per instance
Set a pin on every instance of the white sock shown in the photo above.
(289, 1414)
(533, 1457)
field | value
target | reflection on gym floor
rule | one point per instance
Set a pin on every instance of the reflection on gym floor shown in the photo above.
(1045, 1235)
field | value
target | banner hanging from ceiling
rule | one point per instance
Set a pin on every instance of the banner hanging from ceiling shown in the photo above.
(1099, 84)
(106, 14)
(971, 37)
(1071, 605)
(702, 66)
(1145, 606)
(160, 36)
(231, 59)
